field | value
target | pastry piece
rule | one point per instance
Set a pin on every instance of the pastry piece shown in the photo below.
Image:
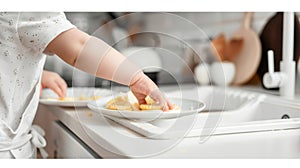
(120, 103)
(149, 100)
(89, 98)
(150, 107)
(66, 98)
(129, 102)
(79, 98)
(155, 107)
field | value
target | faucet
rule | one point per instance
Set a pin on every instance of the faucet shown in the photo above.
(285, 79)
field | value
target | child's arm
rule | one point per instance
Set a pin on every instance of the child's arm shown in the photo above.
(98, 58)
(53, 81)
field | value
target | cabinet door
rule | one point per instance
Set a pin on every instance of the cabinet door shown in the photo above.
(69, 145)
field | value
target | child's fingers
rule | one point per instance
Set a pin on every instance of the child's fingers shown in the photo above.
(165, 106)
(140, 97)
(170, 105)
(62, 86)
(55, 87)
(159, 97)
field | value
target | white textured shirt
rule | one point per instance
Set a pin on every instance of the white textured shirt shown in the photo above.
(23, 39)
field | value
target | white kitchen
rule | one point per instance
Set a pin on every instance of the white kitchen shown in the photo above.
(199, 84)
(240, 113)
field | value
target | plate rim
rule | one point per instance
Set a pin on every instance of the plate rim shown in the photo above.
(69, 103)
(91, 105)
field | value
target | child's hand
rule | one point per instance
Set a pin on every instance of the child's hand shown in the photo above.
(53, 81)
(143, 86)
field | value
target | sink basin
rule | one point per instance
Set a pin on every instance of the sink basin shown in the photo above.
(217, 99)
(228, 111)
(274, 108)
(236, 124)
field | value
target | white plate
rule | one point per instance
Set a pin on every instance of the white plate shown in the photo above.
(187, 107)
(50, 98)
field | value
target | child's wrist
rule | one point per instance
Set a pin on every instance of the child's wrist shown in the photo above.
(143, 83)
(137, 77)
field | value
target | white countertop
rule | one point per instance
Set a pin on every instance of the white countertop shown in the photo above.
(108, 139)
(102, 134)
(111, 140)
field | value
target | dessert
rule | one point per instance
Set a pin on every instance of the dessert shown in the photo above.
(130, 103)
(80, 98)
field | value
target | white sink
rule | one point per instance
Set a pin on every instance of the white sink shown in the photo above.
(217, 99)
(227, 111)
(236, 124)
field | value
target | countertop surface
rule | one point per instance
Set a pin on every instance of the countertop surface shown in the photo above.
(107, 138)
(111, 140)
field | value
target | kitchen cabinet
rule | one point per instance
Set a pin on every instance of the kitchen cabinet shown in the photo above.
(61, 142)
(68, 145)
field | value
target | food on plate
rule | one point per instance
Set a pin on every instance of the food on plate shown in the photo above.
(80, 98)
(149, 100)
(130, 103)
(121, 103)
(66, 98)
(150, 107)
(155, 107)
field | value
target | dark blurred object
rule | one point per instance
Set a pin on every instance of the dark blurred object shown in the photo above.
(271, 39)
(153, 76)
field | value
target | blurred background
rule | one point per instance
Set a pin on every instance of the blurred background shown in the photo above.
(213, 24)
